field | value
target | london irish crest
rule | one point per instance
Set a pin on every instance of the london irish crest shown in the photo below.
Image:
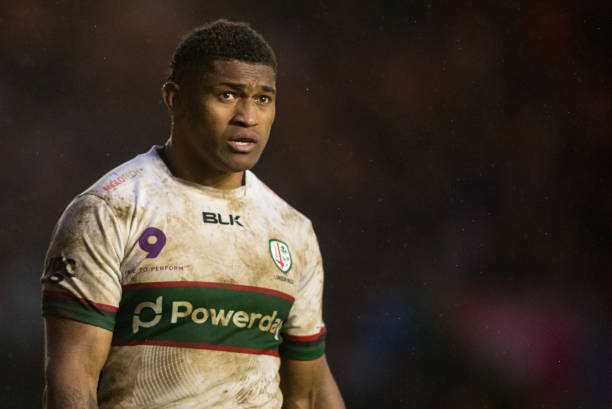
(280, 254)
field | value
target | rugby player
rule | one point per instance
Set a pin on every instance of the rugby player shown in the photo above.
(179, 280)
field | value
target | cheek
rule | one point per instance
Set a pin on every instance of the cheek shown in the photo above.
(216, 119)
(269, 118)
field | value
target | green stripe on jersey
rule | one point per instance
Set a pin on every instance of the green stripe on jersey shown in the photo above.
(67, 306)
(302, 351)
(201, 317)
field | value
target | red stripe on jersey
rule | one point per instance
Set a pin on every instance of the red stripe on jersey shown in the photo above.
(196, 345)
(305, 338)
(163, 284)
(83, 301)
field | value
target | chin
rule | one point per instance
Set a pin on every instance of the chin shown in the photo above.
(242, 165)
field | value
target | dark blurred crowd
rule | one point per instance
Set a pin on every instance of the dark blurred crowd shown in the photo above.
(455, 158)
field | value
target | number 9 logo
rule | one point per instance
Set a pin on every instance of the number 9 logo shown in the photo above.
(152, 248)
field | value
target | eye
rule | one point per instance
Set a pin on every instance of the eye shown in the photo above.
(227, 96)
(263, 99)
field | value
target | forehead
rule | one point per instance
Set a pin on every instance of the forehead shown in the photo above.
(240, 72)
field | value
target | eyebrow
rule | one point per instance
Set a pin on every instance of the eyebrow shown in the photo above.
(238, 86)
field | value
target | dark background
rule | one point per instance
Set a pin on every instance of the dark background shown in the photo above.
(455, 161)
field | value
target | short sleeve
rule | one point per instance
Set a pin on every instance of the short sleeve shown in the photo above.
(304, 332)
(81, 278)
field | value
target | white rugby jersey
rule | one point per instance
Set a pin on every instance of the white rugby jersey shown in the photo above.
(203, 288)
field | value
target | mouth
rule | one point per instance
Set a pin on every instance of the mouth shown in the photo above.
(242, 144)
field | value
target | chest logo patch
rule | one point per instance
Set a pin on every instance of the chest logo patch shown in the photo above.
(279, 252)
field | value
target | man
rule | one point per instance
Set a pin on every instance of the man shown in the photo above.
(179, 280)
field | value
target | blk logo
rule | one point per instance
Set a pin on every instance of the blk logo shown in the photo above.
(216, 218)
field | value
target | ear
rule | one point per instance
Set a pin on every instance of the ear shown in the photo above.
(170, 91)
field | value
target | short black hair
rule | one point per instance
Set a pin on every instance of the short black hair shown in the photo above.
(220, 40)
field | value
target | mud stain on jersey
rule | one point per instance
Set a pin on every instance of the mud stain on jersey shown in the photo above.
(165, 373)
(78, 228)
(122, 212)
(256, 386)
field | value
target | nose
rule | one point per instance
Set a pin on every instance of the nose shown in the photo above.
(246, 113)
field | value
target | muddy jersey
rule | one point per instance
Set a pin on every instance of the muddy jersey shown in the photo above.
(204, 289)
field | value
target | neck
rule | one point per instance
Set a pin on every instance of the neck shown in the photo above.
(183, 166)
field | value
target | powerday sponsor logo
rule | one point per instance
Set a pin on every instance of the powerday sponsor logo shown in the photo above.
(281, 255)
(184, 310)
(203, 315)
(113, 183)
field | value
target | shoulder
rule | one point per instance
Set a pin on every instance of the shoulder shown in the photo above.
(112, 200)
(121, 187)
(275, 206)
(141, 167)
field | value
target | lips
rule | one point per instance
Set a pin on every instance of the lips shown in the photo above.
(242, 143)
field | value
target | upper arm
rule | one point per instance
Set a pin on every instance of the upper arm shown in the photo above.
(309, 384)
(304, 331)
(305, 378)
(74, 356)
(81, 293)
(82, 275)
(328, 395)
(70, 343)
(298, 382)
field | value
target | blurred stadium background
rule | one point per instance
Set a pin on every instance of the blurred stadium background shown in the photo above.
(455, 158)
